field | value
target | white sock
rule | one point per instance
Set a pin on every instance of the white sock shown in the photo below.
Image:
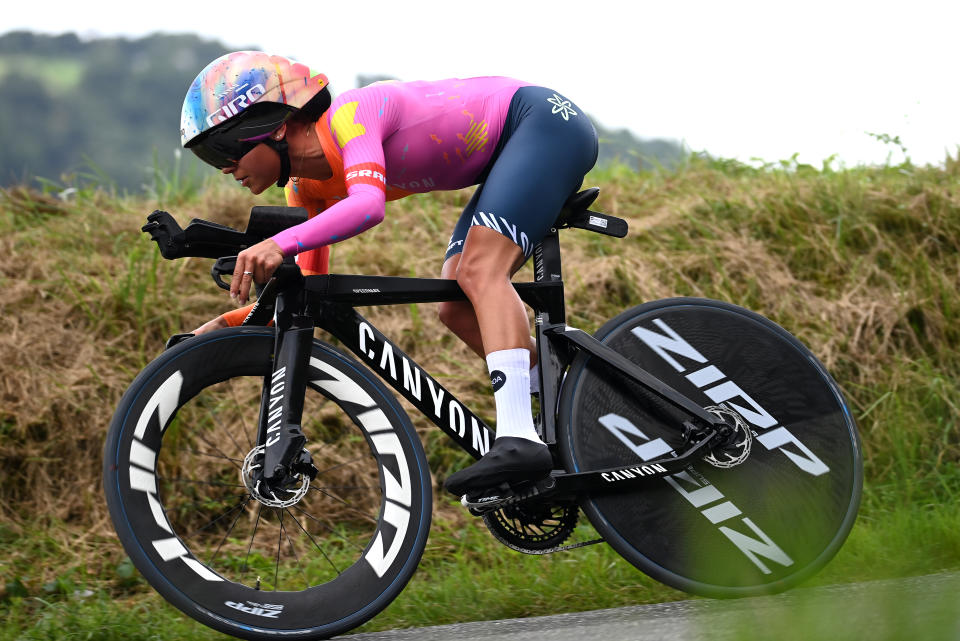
(535, 379)
(510, 376)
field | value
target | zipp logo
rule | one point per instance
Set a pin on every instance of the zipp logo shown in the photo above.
(236, 105)
(142, 472)
(719, 389)
(729, 520)
(397, 481)
(264, 610)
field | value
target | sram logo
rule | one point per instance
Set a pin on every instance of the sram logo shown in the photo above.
(365, 173)
(236, 105)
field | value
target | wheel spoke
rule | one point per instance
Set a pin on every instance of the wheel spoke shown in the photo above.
(185, 506)
(238, 506)
(244, 427)
(226, 534)
(203, 437)
(276, 571)
(294, 549)
(253, 535)
(216, 456)
(344, 464)
(196, 482)
(325, 526)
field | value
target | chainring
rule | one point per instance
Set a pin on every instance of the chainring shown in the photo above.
(534, 527)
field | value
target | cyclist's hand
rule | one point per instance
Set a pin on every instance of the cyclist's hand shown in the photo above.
(254, 264)
(217, 323)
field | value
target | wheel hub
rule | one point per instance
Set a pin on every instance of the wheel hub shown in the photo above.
(735, 449)
(285, 494)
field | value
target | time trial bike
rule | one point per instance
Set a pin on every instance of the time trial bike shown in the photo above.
(270, 486)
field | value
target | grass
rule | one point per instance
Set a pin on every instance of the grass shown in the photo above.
(861, 264)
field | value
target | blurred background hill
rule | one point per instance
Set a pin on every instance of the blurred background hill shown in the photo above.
(107, 109)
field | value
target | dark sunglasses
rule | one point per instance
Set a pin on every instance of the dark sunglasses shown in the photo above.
(228, 143)
(221, 152)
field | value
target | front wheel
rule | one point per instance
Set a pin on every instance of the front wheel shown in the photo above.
(756, 527)
(178, 484)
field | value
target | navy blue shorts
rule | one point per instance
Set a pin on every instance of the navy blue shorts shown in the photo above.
(547, 146)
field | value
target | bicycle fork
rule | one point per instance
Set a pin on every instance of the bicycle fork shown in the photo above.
(281, 407)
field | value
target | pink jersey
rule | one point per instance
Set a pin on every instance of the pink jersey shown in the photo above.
(392, 139)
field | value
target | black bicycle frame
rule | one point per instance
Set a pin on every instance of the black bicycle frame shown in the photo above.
(330, 300)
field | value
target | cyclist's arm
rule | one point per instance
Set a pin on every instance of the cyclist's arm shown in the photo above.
(358, 130)
(312, 262)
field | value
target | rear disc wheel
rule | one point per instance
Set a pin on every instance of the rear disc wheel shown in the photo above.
(760, 525)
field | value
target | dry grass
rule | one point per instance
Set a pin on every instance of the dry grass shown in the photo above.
(862, 265)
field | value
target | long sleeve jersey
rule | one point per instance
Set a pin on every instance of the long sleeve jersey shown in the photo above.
(389, 140)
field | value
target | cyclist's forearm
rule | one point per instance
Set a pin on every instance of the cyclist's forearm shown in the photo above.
(235, 317)
(360, 211)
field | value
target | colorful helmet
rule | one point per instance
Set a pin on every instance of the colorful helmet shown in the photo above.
(240, 98)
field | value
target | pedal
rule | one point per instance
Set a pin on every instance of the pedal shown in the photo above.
(505, 494)
(487, 500)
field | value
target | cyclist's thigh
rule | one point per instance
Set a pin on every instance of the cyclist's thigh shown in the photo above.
(542, 163)
(459, 235)
(549, 146)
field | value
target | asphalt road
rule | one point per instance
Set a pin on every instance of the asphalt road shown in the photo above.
(923, 608)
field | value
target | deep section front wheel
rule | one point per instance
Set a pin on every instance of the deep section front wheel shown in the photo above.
(756, 527)
(308, 563)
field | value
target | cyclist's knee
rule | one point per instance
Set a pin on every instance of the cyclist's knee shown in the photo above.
(476, 279)
(456, 315)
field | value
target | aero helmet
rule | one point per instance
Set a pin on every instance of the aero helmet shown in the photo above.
(240, 98)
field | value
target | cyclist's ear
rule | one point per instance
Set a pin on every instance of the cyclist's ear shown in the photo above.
(280, 132)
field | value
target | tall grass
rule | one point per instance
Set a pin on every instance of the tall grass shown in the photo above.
(861, 264)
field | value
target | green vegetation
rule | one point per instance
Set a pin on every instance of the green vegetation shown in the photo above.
(106, 111)
(861, 264)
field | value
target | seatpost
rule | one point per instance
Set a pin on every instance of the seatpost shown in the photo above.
(547, 269)
(546, 258)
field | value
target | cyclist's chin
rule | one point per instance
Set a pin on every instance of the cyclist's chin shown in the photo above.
(257, 187)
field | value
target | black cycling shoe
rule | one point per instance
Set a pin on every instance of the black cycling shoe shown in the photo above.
(510, 459)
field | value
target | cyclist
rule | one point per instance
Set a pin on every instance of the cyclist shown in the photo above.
(266, 119)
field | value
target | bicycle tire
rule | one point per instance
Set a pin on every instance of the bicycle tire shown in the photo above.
(176, 492)
(760, 527)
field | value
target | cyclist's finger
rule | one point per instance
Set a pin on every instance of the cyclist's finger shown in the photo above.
(239, 272)
(246, 280)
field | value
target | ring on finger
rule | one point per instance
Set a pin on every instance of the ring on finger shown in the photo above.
(247, 273)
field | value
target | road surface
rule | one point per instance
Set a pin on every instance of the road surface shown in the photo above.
(921, 608)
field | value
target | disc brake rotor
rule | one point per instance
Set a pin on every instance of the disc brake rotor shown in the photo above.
(736, 449)
(289, 494)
